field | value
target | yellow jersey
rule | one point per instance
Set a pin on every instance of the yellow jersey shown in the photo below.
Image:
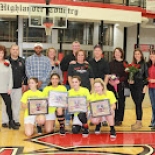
(46, 91)
(108, 95)
(30, 94)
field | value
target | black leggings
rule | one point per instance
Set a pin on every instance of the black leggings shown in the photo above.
(7, 100)
(138, 97)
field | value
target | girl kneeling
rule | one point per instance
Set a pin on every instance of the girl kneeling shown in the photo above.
(31, 120)
(55, 111)
(80, 118)
(101, 93)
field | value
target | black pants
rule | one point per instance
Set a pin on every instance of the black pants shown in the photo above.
(138, 97)
(7, 101)
(120, 105)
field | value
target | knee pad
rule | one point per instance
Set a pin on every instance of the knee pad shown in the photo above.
(82, 117)
(76, 129)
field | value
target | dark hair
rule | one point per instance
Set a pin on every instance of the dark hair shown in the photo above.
(98, 46)
(77, 77)
(149, 63)
(34, 79)
(2, 48)
(54, 74)
(120, 50)
(142, 56)
(76, 54)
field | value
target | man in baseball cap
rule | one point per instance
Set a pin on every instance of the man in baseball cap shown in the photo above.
(38, 45)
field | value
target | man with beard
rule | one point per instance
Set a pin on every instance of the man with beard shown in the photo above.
(38, 66)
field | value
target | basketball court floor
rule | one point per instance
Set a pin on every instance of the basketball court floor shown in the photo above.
(127, 142)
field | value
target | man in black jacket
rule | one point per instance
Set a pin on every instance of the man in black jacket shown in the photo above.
(64, 67)
(70, 57)
(19, 82)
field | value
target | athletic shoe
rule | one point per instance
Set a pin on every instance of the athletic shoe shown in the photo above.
(39, 130)
(85, 132)
(97, 129)
(112, 133)
(62, 131)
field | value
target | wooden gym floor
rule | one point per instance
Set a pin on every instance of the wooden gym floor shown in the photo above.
(128, 142)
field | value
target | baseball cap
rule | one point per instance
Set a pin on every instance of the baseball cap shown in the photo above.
(38, 44)
(98, 46)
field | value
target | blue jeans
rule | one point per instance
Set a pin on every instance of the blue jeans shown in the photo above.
(152, 98)
(67, 115)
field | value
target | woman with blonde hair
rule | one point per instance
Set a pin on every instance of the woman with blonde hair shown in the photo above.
(101, 93)
(55, 63)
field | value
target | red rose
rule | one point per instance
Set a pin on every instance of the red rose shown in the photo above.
(6, 63)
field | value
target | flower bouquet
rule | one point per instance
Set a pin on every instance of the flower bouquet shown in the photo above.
(114, 81)
(131, 69)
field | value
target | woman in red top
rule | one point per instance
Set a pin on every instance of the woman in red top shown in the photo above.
(151, 85)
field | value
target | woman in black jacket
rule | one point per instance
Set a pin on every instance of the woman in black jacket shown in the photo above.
(138, 86)
(117, 68)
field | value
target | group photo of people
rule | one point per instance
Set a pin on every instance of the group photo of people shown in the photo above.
(80, 92)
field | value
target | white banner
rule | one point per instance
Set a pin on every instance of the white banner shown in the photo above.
(150, 6)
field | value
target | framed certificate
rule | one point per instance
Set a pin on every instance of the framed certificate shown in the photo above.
(100, 108)
(77, 104)
(57, 99)
(38, 106)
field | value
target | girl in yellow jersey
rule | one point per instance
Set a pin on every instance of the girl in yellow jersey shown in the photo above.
(80, 119)
(30, 120)
(101, 93)
(55, 111)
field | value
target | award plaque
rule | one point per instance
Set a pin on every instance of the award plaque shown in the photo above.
(100, 108)
(57, 99)
(38, 106)
(77, 104)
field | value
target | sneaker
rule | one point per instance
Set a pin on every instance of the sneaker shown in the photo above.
(112, 133)
(39, 130)
(97, 129)
(62, 131)
(85, 132)
(67, 122)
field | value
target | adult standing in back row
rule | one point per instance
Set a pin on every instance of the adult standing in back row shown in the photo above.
(38, 66)
(19, 82)
(99, 65)
(68, 58)
(64, 67)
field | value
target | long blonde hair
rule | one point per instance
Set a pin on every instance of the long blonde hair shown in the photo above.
(52, 48)
(99, 80)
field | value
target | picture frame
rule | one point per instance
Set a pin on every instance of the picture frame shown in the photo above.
(37, 106)
(77, 104)
(57, 99)
(100, 108)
